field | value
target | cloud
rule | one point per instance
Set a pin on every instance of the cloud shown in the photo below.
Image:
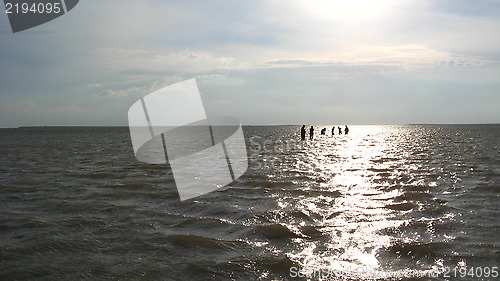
(120, 60)
(140, 91)
(94, 85)
(192, 61)
(405, 57)
(218, 79)
(111, 93)
(379, 60)
(478, 8)
(401, 61)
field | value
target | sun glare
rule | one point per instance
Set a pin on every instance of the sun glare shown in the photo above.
(349, 10)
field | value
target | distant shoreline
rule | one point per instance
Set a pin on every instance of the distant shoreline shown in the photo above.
(256, 125)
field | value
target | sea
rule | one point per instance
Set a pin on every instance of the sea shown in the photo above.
(403, 202)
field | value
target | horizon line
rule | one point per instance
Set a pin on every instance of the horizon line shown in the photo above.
(117, 126)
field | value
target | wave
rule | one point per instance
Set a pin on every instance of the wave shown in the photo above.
(488, 188)
(417, 251)
(416, 196)
(101, 175)
(275, 231)
(405, 206)
(189, 240)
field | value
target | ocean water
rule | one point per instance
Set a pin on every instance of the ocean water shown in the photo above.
(382, 203)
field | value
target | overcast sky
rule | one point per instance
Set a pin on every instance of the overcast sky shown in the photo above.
(264, 62)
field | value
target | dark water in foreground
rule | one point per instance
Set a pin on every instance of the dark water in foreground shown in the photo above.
(383, 203)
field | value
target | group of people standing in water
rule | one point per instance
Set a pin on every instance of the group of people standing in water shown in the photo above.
(323, 131)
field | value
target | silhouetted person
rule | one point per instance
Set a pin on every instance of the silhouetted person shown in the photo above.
(311, 133)
(333, 130)
(303, 132)
(340, 130)
(346, 130)
(323, 131)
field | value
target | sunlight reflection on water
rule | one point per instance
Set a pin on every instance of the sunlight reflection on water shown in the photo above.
(358, 166)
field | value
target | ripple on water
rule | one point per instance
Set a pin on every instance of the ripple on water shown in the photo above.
(384, 198)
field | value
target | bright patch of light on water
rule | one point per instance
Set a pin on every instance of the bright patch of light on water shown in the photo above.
(353, 222)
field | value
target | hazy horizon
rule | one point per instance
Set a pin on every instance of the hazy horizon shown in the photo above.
(257, 125)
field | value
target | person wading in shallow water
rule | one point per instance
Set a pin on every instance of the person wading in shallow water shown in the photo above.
(311, 133)
(303, 132)
(346, 130)
(340, 131)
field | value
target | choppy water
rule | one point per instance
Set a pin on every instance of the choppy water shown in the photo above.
(386, 200)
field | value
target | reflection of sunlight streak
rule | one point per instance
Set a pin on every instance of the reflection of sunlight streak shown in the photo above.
(351, 223)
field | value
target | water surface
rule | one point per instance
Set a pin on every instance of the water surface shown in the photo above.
(76, 204)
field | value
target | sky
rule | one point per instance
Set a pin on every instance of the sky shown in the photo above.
(264, 62)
